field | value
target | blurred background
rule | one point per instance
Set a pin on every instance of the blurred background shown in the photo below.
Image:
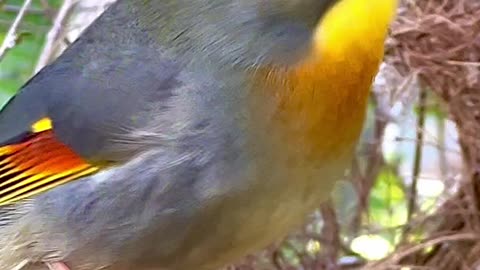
(411, 199)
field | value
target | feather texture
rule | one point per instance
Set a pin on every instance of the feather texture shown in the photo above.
(36, 164)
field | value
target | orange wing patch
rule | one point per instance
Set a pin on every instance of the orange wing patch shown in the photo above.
(38, 163)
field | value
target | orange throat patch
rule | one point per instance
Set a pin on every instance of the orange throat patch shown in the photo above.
(320, 104)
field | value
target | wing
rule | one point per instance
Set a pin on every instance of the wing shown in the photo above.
(77, 114)
(37, 162)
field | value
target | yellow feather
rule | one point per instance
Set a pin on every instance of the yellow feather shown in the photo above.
(355, 26)
(41, 186)
(42, 125)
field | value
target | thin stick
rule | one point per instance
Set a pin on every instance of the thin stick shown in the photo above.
(412, 203)
(416, 248)
(15, 9)
(54, 34)
(11, 37)
(21, 265)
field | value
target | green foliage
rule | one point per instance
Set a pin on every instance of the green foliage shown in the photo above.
(388, 204)
(19, 62)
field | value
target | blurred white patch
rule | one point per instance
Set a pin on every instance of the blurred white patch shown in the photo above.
(430, 187)
(371, 247)
(313, 247)
(389, 143)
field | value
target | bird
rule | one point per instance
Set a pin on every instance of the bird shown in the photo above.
(177, 134)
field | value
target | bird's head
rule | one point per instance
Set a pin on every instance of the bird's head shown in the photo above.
(292, 28)
(258, 31)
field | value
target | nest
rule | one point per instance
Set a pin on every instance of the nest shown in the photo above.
(439, 42)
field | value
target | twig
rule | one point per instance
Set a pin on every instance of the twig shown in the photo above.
(54, 34)
(331, 233)
(47, 10)
(432, 242)
(11, 37)
(463, 63)
(442, 153)
(13, 8)
(21, 265)
(437, 145)
(412, 202)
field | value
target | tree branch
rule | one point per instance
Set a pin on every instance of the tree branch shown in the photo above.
(11, 37)
(55, 34)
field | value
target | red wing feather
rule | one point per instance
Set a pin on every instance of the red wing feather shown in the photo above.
(38, 163)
